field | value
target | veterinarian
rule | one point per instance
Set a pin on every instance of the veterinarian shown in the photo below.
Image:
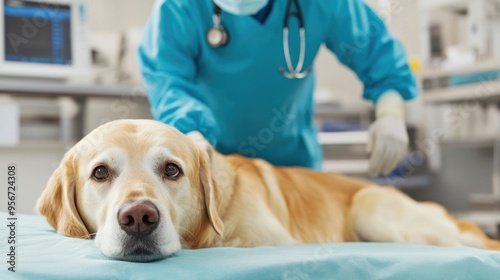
(239, 72)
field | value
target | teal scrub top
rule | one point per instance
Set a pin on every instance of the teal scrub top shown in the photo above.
(236, 96)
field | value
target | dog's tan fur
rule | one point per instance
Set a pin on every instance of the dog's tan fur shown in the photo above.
(246, 202)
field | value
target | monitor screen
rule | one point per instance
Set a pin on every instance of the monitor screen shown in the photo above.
(37, 32)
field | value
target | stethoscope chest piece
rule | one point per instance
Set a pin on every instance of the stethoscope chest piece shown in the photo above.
(217, 37)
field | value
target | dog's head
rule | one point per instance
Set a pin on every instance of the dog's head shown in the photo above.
(141, 187)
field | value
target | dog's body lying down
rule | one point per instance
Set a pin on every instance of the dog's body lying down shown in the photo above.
(143, 189)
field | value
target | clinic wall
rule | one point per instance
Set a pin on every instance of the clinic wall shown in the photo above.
(118, 15)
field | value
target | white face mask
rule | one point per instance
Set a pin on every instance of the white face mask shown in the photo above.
(241, 7)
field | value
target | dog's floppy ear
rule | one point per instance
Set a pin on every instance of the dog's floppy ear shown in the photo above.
(57, 202)
(209, 185)
(210, 191)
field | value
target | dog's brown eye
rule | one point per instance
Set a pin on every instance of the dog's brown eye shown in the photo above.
(172, 171)
(100, 173)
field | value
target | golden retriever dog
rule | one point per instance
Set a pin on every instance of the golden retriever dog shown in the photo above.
(144, 190)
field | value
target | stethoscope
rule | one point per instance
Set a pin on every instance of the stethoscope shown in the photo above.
(217, 37)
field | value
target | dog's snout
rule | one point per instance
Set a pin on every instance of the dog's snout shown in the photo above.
(138, 218)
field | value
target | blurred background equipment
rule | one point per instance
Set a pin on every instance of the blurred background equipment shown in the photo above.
(47, 39)
(461, 95)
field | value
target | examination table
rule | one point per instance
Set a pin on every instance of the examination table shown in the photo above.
(44, 254)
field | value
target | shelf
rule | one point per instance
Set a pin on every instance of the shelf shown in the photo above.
(405, 183)
(360, 167)
(28, 145)
(346, 166)
(484, 216)
(488, 221)
(478, 67)
(476, 142)
(332, 110)
(343, 138)
(433, 4)
(478, 92)
(56, 89)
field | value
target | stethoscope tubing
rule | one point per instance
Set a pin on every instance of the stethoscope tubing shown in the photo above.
(297, 14)
(293, 72)
(216, 17)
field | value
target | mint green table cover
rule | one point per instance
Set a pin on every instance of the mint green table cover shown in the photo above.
(44, 254)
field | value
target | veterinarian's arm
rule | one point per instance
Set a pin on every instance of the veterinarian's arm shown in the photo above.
(167, 55)
(361, 41)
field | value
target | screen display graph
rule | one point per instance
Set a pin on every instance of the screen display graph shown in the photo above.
(37, 32)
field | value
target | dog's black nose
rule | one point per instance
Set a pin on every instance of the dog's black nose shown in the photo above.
(138, 218)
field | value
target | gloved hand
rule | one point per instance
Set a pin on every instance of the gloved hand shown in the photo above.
(388, 138)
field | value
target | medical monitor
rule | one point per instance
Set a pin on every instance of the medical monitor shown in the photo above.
(44, 38)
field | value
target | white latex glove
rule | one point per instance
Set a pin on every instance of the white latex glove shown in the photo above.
(388, 138)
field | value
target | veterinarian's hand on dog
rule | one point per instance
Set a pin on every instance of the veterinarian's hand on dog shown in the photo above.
(388, 138)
